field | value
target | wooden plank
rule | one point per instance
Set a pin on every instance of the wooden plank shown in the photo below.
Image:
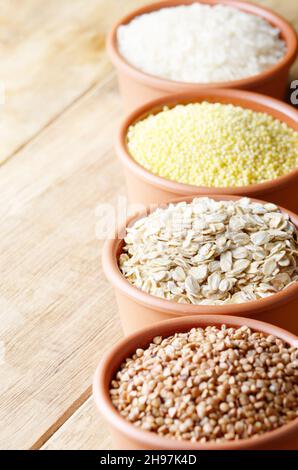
(58, 311)
(85, 430)
(51, 52)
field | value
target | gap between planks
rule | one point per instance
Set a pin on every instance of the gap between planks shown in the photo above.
(41, 441)
(86, 429)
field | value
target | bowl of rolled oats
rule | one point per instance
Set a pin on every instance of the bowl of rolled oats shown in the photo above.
(211, 142)
(223, 255)
(201, 383)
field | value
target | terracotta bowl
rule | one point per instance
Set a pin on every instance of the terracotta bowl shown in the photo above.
(127, 436)
(146, 187)
(137, 309)
(137, 87)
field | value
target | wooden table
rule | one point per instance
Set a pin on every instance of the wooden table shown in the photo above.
(57, 312)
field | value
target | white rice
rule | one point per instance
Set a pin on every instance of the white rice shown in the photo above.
(200, 43)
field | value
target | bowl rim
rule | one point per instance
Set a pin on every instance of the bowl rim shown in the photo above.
(113, 358)
(287, 31)
(246, 99)
(110, 255)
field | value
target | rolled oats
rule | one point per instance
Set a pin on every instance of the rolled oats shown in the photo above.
(212, 252)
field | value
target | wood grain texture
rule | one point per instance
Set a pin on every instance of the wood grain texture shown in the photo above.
(85, 430)
(51, 52)
(57, 311)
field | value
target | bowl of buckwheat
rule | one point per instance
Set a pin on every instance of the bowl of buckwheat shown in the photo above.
(201, 383)
(223, 255)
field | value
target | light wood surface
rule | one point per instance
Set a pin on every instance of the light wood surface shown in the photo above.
(57, 311)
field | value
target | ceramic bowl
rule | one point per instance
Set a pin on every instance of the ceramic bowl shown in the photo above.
(137, 87)
(146, 187)
(127, 436)
(137, 309)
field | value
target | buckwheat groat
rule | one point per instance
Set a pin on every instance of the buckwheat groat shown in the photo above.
(209, 385)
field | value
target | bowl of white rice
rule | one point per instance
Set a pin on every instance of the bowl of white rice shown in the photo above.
(177, 46)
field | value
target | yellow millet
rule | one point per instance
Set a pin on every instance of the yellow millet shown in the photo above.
(212, 144)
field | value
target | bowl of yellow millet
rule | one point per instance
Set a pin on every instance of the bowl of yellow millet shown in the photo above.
(220, 141)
